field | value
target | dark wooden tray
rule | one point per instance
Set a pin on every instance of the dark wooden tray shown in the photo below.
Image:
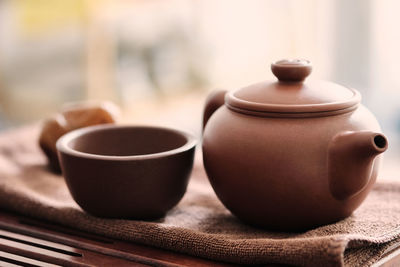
(29, 242)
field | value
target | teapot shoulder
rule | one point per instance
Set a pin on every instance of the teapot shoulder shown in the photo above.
(226, 120)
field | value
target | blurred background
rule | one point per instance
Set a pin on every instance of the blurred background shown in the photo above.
(158, 59)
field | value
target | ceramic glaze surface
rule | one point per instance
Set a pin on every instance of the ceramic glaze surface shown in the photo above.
(292, 172)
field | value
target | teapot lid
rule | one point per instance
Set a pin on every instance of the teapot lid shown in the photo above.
(291, 95)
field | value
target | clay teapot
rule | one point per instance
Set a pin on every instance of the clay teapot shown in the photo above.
(291, 154)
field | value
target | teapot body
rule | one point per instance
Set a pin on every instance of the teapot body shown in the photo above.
(273, 171)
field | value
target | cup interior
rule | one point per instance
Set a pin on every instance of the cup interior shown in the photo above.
(128, 141)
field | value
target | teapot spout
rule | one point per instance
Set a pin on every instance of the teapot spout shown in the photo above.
(351, 160)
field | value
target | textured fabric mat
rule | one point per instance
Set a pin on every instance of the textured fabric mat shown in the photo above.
(200, 225)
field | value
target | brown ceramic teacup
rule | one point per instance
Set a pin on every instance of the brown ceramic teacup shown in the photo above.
(136, 172)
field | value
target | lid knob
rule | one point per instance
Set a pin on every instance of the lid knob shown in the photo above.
(291, 70)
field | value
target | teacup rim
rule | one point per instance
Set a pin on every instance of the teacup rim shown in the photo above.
(63, 147)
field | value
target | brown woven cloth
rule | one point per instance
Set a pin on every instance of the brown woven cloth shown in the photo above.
(200, 225)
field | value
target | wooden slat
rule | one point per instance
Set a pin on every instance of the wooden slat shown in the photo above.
(8, 259)
(36, 253)
(53, 248)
